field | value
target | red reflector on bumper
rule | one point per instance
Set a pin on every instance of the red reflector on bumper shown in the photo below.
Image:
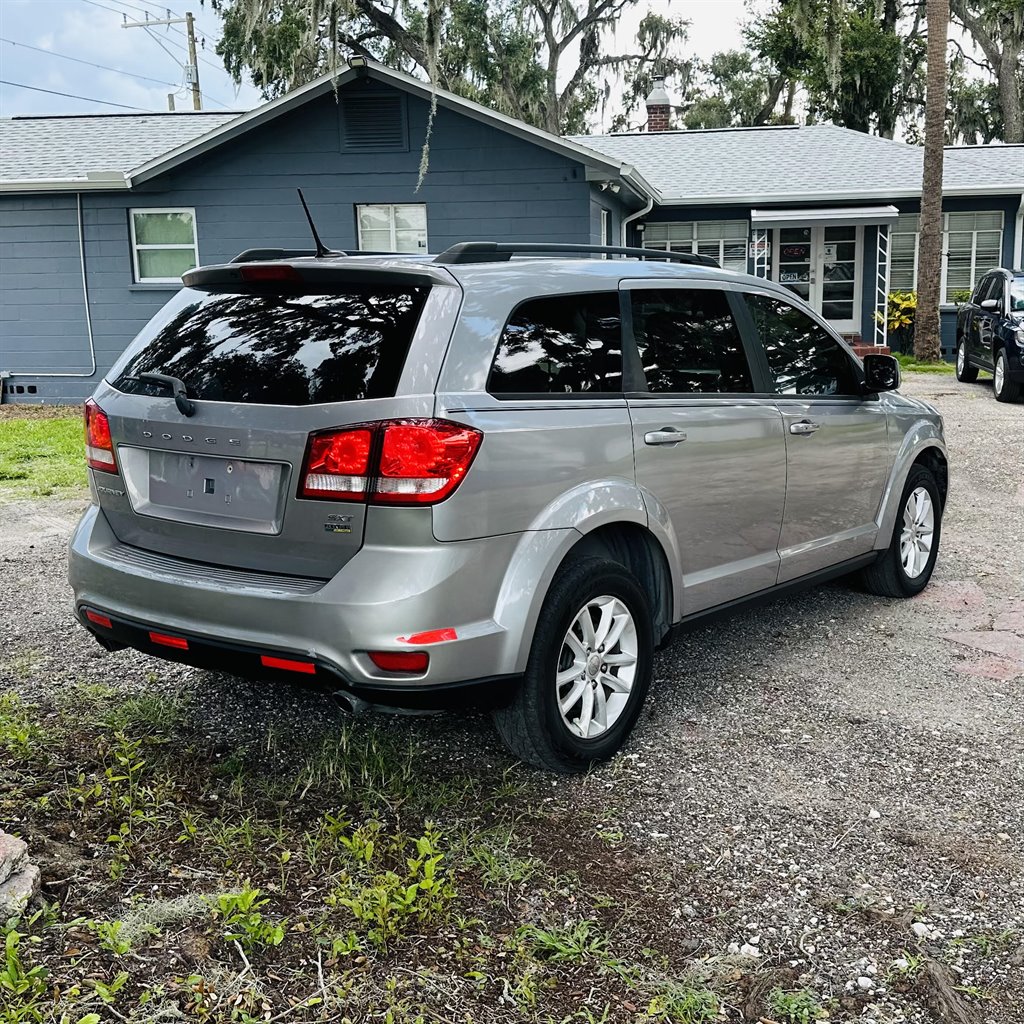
(100, 620)
(432, 636)
(400, 661)
(288, 665)
(169, 641)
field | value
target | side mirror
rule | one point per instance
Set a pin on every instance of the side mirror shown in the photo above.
(881, 373)
(992, 305)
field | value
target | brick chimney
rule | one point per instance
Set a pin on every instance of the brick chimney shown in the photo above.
(659, 107)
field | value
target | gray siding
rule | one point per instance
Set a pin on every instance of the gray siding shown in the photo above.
(482, 183)
(42, 306)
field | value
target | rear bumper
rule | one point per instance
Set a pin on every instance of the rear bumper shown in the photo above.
(381, 595)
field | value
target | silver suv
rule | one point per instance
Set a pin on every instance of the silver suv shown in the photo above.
(472, 478)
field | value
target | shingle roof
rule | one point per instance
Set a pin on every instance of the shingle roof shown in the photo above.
(793, 163)
(73, 147)
(1004, 161)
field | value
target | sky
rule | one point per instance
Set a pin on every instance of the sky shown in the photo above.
(141, 66)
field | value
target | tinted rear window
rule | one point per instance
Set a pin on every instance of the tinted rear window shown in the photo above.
(280, 349)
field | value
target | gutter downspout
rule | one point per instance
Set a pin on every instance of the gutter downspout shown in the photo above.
(626, 221)
(88, 312)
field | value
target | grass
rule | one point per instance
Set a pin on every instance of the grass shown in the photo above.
(313, 877)
(41, 455)
(909, 363)
(339, 872)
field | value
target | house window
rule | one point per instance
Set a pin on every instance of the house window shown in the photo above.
(903, 243)
(972, 243)
(393, 227)
(163, 244)
(722, 240)
(606, 226)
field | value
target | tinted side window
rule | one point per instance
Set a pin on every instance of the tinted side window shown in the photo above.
(689, 342)
(803, 357)
(995, 288)
(980, 291)
(562, 344)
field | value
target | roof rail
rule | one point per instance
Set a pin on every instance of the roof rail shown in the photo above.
(496, 252)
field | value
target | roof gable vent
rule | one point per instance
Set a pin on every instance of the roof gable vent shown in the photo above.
(373, 121)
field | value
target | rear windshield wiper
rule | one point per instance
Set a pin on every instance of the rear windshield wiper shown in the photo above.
(178, 390)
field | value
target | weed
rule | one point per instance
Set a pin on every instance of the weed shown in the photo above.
(390, 901)
(574, 942)
(684, 1003)
(795, 1007)
(905, 968)
(108, 992)
(18, 733)
(16, 977)
(143, 715)
(240, 916)
(492, 853)
(110, 936)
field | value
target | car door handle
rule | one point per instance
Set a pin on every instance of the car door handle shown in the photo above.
(804, 427)
(667, 435)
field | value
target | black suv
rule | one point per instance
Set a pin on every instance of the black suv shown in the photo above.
(990, 333)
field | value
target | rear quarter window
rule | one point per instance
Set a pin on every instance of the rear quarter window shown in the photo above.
(559, 345)
(260, 347)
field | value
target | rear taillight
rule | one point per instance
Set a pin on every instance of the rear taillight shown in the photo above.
(394, 462)
(338, 464)
(99, 448)
(423, 461)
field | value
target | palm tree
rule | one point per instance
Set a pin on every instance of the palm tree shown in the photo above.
(927, 345)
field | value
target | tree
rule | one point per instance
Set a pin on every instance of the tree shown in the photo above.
(736, 88)
(927, 344)
(545, 62)
(997, 26)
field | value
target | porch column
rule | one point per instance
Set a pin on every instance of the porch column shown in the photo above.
(882, 287)
(759, 238)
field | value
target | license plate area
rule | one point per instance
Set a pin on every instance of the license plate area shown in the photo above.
(205, 490)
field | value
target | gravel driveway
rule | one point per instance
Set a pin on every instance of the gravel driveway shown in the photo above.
(833, 782)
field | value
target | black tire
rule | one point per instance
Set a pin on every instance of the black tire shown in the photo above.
(531, 725)
(969, 374)
(1011, 390)
(887, 577)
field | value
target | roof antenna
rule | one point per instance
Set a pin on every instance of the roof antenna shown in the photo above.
(321, 249)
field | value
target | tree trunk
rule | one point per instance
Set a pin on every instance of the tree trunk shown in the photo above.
(927, 345)
(1009, 91)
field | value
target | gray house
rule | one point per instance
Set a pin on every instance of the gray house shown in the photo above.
(100, 214)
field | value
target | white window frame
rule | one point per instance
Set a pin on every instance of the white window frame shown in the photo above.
(976, 272)
(391, 207)
(136, 246)
(693, 242)
(606, 227)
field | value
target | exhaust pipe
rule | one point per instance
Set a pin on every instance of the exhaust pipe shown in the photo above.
(359, 708)
(351, 704)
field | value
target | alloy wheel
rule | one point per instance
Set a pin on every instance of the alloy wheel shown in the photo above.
(1000, 374)
(918, 532)
(961, 358)
(597, 666)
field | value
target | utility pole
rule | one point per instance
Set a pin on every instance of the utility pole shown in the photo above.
(197, 97)
(192, 68)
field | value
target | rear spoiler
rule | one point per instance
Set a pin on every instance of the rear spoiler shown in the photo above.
(296, 274)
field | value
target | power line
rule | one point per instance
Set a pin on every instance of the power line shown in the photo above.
(181, 46)
(173, 42)
(71, 95)
(78, 60)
